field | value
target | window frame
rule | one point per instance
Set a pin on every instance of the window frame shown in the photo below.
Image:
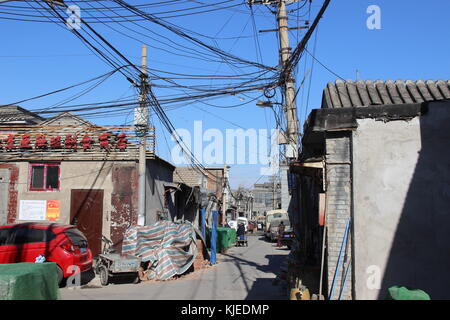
(45, 165)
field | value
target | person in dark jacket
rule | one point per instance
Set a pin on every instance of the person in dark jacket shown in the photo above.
(281, 228)
(240, 230)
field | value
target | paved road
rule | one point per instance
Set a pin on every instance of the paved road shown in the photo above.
(242, 273)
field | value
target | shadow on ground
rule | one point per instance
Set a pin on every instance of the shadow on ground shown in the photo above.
(265, 289)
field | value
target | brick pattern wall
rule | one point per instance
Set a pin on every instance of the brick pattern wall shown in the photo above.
(338, 195)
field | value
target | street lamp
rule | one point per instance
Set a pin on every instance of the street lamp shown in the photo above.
(266, 104)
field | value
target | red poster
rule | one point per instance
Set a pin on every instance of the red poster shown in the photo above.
(53, 211)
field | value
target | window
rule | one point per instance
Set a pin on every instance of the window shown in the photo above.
(77, 237)
(44, 177)
(23, 235)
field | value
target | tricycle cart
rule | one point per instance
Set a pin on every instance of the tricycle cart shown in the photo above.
(241, 241)
(113, 265)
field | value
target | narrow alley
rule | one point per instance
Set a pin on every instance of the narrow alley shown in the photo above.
(243, 273)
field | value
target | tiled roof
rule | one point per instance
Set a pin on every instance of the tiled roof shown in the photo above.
(16, 114)
(364, 93)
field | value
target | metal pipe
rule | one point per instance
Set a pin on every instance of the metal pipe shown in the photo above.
(344, 242)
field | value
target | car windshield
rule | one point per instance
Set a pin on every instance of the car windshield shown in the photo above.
(77, 237)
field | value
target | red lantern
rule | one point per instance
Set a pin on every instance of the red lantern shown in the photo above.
(41, 142)
(70, 142)
(10, 143)
(121, 141)
(55, 142)
(25, 143)
(104, 141)
(86, 142)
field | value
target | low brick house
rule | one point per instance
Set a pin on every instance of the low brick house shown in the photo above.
(375, 157)
(95, 189)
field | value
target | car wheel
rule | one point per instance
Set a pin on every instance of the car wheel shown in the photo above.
(104, 277)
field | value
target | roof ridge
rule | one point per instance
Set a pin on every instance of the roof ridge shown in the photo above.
(351, 93)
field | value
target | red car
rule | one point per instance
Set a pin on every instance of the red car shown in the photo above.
(63, 244)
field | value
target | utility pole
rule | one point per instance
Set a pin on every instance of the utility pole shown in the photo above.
(141, 125)
(291, 137)
(290, 108)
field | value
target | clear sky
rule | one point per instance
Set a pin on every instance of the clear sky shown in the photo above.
(37, 57)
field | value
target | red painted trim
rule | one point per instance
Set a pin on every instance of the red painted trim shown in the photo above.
(13, 193)
(45, 165)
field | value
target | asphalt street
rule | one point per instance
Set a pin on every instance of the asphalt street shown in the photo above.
(242, 273)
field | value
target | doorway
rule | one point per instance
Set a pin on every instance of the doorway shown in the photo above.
(86, 213)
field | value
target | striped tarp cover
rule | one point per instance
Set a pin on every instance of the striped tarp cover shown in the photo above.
(169, 247)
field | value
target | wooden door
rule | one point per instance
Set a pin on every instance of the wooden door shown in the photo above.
(86, 212)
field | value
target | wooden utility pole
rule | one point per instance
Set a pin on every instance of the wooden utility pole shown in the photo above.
(290, 108)
(141, 124)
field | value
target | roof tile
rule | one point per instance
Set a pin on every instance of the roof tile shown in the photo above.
(364, 93)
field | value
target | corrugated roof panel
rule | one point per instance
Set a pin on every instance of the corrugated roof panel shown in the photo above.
(422, 87)
(357, 94)
(353, 93)
(434, 90)
(403, 91)
(363, 93)
(334, 96)
(412, 88)
(373, 93)
(343, 94)
(383, 92)
(393, 92)
(444, 88)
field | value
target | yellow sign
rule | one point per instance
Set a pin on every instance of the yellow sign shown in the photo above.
(53, 211)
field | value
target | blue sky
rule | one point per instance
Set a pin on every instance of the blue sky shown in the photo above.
(40, 57)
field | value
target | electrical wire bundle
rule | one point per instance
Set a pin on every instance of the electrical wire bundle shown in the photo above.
(151, 24)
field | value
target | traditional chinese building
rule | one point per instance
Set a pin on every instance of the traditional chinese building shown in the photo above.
(68, 170)
(371, 193)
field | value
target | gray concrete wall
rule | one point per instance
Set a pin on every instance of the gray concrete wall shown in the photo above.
(401, 204)
(73, 175)
(338, 210)
(157, 175)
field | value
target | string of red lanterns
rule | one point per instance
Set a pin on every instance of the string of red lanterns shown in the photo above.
(70, 142)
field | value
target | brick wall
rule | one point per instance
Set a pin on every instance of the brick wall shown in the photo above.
(338, 195)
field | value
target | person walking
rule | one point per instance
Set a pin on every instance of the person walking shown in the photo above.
(241, 231)
(281, 228)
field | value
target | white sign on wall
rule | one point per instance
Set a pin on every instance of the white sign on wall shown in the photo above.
(32, 209)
